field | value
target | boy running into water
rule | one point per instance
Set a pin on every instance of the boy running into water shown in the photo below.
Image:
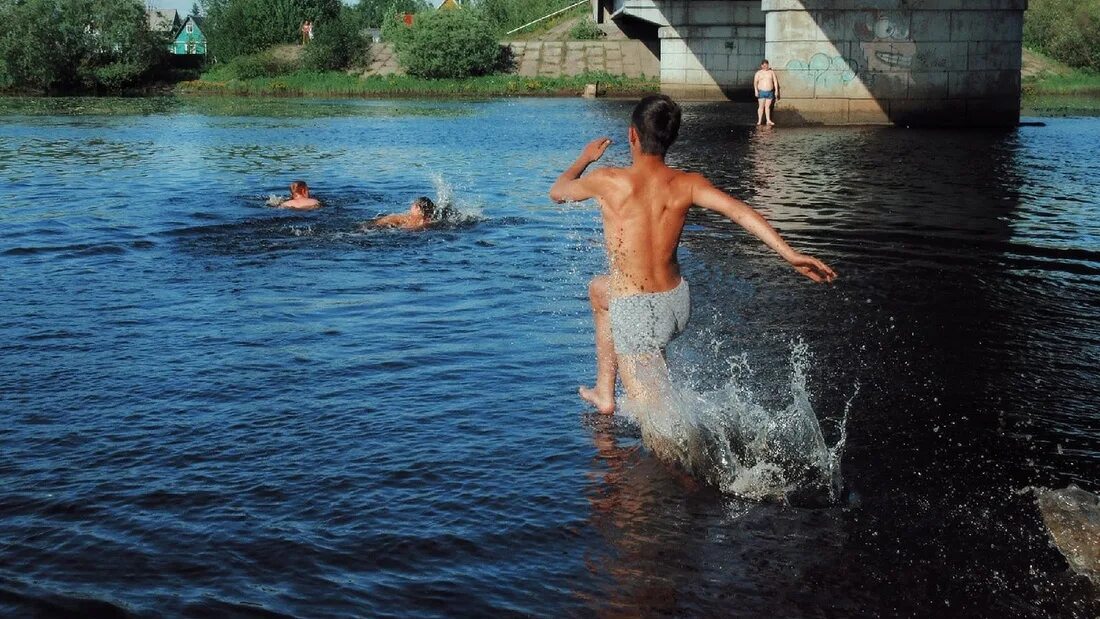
(299, 198)
(643, 302)
(421, 214)
(766, 85)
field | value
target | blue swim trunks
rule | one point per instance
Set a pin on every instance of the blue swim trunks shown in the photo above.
(766, 94)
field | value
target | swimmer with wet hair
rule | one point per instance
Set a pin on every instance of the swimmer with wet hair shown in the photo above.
(643, 302)
(299, 198)
(421, 214)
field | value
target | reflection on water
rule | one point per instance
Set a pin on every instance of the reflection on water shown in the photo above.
(255, 411)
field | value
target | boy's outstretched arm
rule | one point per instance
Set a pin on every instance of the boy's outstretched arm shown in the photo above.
(710, 197)
(570, 187)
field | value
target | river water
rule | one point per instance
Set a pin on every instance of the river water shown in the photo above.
(212, 407)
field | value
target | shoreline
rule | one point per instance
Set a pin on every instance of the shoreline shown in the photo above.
(1050, 105)
(342, 85)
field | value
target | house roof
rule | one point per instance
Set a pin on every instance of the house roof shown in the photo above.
(162, 20)
(446, 4)
(198, 21)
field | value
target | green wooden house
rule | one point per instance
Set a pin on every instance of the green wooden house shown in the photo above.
(190, 40)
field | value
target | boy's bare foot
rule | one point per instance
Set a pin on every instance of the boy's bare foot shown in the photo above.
(604, 404)
(771, 124)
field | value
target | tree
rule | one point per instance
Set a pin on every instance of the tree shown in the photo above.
(1068, 30)
(373, 13)
(339, 44)
(66, 45)
(239, 27)
(449, 44)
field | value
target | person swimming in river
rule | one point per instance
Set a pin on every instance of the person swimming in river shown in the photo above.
(421, 214)
(643, 302)
(299, 198)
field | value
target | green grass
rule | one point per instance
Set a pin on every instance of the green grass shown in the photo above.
(1076, 82)
(533, 32)
(338, 84)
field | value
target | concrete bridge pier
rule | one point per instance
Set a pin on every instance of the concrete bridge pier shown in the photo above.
(908, 62)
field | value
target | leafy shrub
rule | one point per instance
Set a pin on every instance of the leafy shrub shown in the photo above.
(337, 44)
(586, 30)
(375, 13)
(457, 43)
(66, 45)
(1066, 30)
(239, 27)
(395, 31)
(504, 15)
(263, 64)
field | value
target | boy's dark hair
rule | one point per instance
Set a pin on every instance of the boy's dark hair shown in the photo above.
(764, 62)
(297, 186)
(656, 118)
(427, 207)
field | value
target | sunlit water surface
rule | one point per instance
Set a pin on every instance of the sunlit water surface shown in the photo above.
(212, 407)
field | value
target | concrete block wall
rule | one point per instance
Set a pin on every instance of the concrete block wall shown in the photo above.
(710, 49)
(935, 62)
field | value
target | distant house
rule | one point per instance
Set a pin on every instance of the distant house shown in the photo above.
(164, 21)
(446, 4)
(190, 39)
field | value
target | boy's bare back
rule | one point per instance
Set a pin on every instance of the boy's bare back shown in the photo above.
(643, 212)
(644, 208)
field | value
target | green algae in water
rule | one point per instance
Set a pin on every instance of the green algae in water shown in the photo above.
(226, 106)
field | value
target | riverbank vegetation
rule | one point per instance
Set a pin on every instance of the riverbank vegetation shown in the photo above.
(445, 53)
(58, 46)
(1045, 77)
(1065, 30)
(1062, 38)
(339, 84)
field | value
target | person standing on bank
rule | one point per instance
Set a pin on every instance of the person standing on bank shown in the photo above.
(766, 85)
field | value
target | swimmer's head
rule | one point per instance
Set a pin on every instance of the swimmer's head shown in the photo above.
(299, 189)
(426, 207)
(655, 124)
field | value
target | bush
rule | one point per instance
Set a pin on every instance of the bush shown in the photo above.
(457, 43)
(338, 44)
(263, 64)
(504, 15)
(70, 45)
(240, 27)
(375, 13)
(395, 31)
(586, 30)
(1066, 30)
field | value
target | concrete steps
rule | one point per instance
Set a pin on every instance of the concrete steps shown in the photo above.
(552, 59)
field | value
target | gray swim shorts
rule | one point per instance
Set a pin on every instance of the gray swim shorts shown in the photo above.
(647, 322)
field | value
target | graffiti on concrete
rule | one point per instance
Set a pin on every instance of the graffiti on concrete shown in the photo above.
(824, 72)
(885, 40)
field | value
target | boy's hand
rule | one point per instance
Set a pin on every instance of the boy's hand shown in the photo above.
(812, 267)
(595, 149)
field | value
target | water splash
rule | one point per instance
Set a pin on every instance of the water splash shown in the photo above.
(453, 211)
(275, 199)
(1072, 517)
(727, 439)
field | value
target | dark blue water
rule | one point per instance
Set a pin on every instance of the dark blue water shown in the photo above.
(212, 407)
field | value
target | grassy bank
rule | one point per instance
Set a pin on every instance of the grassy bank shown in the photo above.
(1051, 88)
(1044, 76)
(1074, 83)
(338, 84)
